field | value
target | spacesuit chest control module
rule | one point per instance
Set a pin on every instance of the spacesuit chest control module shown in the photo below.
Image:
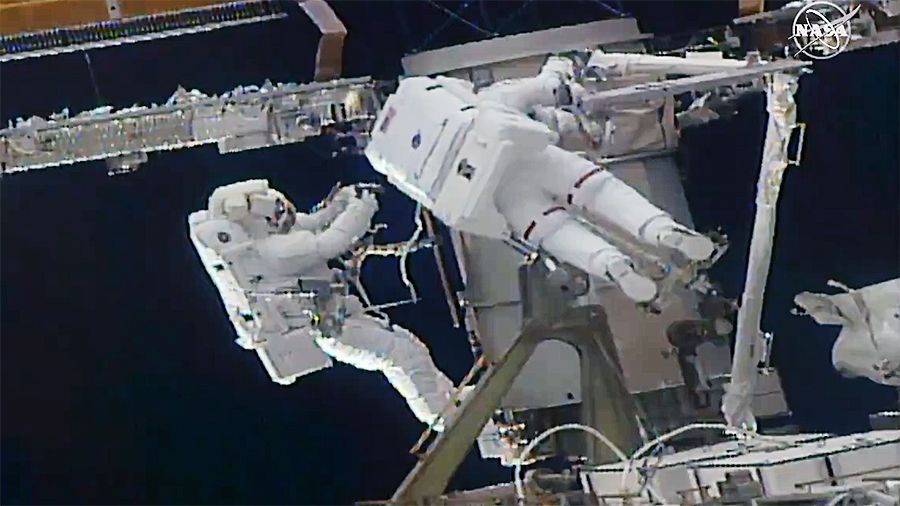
(270, 266)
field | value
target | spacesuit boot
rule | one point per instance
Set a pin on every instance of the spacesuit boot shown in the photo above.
(694, 246)
(670, 234)
(633, 285)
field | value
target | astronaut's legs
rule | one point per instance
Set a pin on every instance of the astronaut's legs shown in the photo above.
(371, 344)
(539, 221)
(578, 182)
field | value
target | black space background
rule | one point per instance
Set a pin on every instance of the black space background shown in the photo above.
(120, 380)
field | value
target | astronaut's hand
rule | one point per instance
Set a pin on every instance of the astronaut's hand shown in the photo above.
(367, 197)
(602, 67)
(577, 92)
(344, 194)
(369, 187)
(562, 66)
(361, 198)
(569, 91)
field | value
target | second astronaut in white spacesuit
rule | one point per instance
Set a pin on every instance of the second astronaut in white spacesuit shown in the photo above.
(270, 265)
(512, 179)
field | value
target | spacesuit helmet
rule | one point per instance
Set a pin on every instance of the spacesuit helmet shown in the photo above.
(276, 209)
(258, 208)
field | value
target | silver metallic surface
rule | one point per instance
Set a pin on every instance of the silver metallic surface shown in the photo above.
(245, 118)
(639, 93)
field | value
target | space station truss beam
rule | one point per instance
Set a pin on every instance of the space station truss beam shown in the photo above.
(640, 93)
(245, 118)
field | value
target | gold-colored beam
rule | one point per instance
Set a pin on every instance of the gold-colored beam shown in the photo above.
(23, 16)
(750, 7)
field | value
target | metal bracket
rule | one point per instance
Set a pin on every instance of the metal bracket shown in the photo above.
(608, 404)
(801, 129)
(331, 46)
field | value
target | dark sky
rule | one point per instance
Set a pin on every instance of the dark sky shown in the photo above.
(120, 380)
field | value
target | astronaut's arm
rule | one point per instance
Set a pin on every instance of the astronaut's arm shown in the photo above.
(821, 308)
(303, 248)
(549, 88)
(572, 135)
(351, 224)
(328, 211)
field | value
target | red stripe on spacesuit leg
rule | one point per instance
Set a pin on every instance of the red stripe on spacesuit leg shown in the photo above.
(586, 175)
(529, 230)
(547, 212)
(580, 181)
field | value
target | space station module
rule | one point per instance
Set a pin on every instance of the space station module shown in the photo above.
(869, 342)
(270, 265)
(488, 164)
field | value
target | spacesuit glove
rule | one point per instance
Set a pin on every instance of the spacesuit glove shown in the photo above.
(602, 68)
(365, 204)
(367, 197)
(577, 92)
(368, 187)
(344, 194)
(564, 67)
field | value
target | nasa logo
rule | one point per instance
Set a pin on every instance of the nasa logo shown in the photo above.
(821, 30)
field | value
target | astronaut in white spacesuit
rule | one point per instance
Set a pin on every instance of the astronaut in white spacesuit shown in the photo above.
(869, 342)
(489, 164)
(270, 264)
